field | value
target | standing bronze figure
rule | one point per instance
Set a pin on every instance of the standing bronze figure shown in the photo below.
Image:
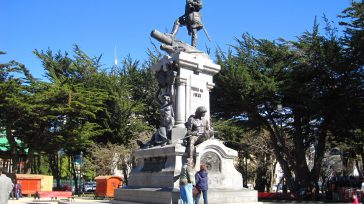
(191, 19)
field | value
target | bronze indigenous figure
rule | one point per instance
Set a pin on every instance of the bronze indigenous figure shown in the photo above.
(167, 120)
(163, 134)
(165, 97)
(198, 130)
(191, 19)
(166, 79)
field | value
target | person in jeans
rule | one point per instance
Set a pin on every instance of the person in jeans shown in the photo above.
(201, 179)
(186, 182)
(17, 188)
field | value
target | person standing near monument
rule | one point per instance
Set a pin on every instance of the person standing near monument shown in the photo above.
(186, 182)
(202, 183)
(17, 190)
(6, 186)
(198, 130)
(191, 19)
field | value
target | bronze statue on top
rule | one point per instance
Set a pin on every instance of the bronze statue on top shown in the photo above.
(191, 19)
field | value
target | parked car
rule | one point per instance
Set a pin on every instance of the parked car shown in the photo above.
(89, 186)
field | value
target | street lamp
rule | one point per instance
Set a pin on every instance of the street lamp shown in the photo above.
(246, 169)
(245, 166)
(280, 112)
(81, 177)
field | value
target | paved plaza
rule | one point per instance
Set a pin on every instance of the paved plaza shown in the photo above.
(88, 201)
(47, 201)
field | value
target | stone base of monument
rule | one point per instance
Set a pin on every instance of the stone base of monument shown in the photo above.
(155, 179)
(163, 196)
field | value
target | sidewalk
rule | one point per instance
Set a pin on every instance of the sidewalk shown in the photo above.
(30, 200)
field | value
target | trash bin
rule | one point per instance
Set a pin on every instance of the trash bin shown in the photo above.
(106, 185)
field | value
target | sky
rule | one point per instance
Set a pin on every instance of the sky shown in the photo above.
(98, 26)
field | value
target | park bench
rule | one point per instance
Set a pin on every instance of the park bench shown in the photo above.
(54, 195)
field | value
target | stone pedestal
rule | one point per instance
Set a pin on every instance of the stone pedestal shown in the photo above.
(193, 82)
(155, 179)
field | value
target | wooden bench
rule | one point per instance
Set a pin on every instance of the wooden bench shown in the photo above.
(54, 195)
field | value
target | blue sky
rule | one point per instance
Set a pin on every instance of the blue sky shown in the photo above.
(97, 26)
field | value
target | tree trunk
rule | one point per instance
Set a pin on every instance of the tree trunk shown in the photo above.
(74, 175)
(261, 179)
(361, 171)
(13, 150)
(278, 143)
(279, 153)
(53, 164)
(37, 164)
(270, 172)
(319, 156)
(301, 168)
(29, 161)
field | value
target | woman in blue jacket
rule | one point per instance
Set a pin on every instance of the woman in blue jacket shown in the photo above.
(201, 179)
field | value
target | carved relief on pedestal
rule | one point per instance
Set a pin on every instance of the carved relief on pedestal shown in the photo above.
(212, 161)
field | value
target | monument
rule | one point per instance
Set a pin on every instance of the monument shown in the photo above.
(185, 79)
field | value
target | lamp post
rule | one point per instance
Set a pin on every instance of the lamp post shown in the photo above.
(246, 169)
(81, 177)
(280, 110)
(245, 166)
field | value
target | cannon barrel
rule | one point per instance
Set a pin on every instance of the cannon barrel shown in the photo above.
(161, 37)
(171, 45)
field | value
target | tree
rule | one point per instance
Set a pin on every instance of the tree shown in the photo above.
(14, 95)
(301, 78)
(249, 87)
(74, 104)
(351, 133)
(122, 117)
(111, 157)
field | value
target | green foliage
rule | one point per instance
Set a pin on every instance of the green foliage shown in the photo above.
(310, 78)
(354, 32)
(14, 96)
(250, 78)
(73, 104)
(123, 115)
